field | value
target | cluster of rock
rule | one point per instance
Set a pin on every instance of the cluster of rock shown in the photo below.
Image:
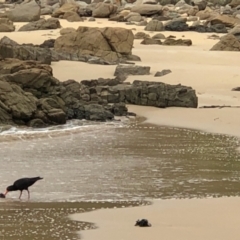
(30, 95)
(206, 16)
(93, 45)
(165, 15)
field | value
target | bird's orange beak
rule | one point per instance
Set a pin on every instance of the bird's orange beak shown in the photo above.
(6, 192)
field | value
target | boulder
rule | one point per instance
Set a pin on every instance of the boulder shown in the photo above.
(162, 73)
(103, 10)
(131, 70)
(6, 25)
(235, 31)
(72, 17)
(42, 24)
(13, 100)
(177, 42)
(52, 110)
(234, 3)
(227, 43)
(13, 65)
(10, 49)
(47, 43)
(67, 30)
(147, 9)
(228, 21)
(160, 95)
(47, 10)
(151, 41)
(67, 7)
(51, 2)
(108, 44)
(198, 27)
(133, 17)
(177, 25)
(201, 4)
(206, 13)
(141, 35)
(158, 36)
(25, 12)
(96, 112)
(154, 25)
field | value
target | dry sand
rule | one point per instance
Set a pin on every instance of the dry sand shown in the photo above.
(195, 219)
(213, 75)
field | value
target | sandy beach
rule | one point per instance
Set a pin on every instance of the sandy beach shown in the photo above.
(212, 75)
(171, 219)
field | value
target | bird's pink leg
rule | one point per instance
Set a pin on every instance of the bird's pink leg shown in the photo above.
(20, 195)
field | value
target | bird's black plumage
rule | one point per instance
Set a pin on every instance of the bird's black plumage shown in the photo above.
(22, 184)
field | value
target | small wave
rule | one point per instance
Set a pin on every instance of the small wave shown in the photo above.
(8, 133)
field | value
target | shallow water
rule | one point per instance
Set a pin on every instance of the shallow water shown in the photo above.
(123, 162)
(111, 162)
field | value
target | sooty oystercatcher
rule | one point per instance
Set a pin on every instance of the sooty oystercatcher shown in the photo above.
(22, 184)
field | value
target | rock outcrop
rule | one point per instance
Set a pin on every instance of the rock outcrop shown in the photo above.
(108, 44)
(30, 95)
(11, 49)
(145, 93)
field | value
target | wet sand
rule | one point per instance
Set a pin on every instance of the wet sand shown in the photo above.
(49, 220)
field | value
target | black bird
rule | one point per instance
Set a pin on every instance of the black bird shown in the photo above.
(22, 184)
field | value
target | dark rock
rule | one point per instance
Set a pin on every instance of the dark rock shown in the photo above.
(147, 9)
(141, 35)
(48, 43)
(30, 95)
(151, 41)
(6, 25)
(119, 109)
(142, 23)
(177, 42)
(154, 25)
(72, 17)
(158, 36)
(162, 73)
(178, 25)
(236, 89)
(42, 24)
(227, 43)
(143, 223)
(96, 44)
(218, 28)
(96, 112)
(24, 52)
(36, 123)
(131, 70)
(25, 12)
